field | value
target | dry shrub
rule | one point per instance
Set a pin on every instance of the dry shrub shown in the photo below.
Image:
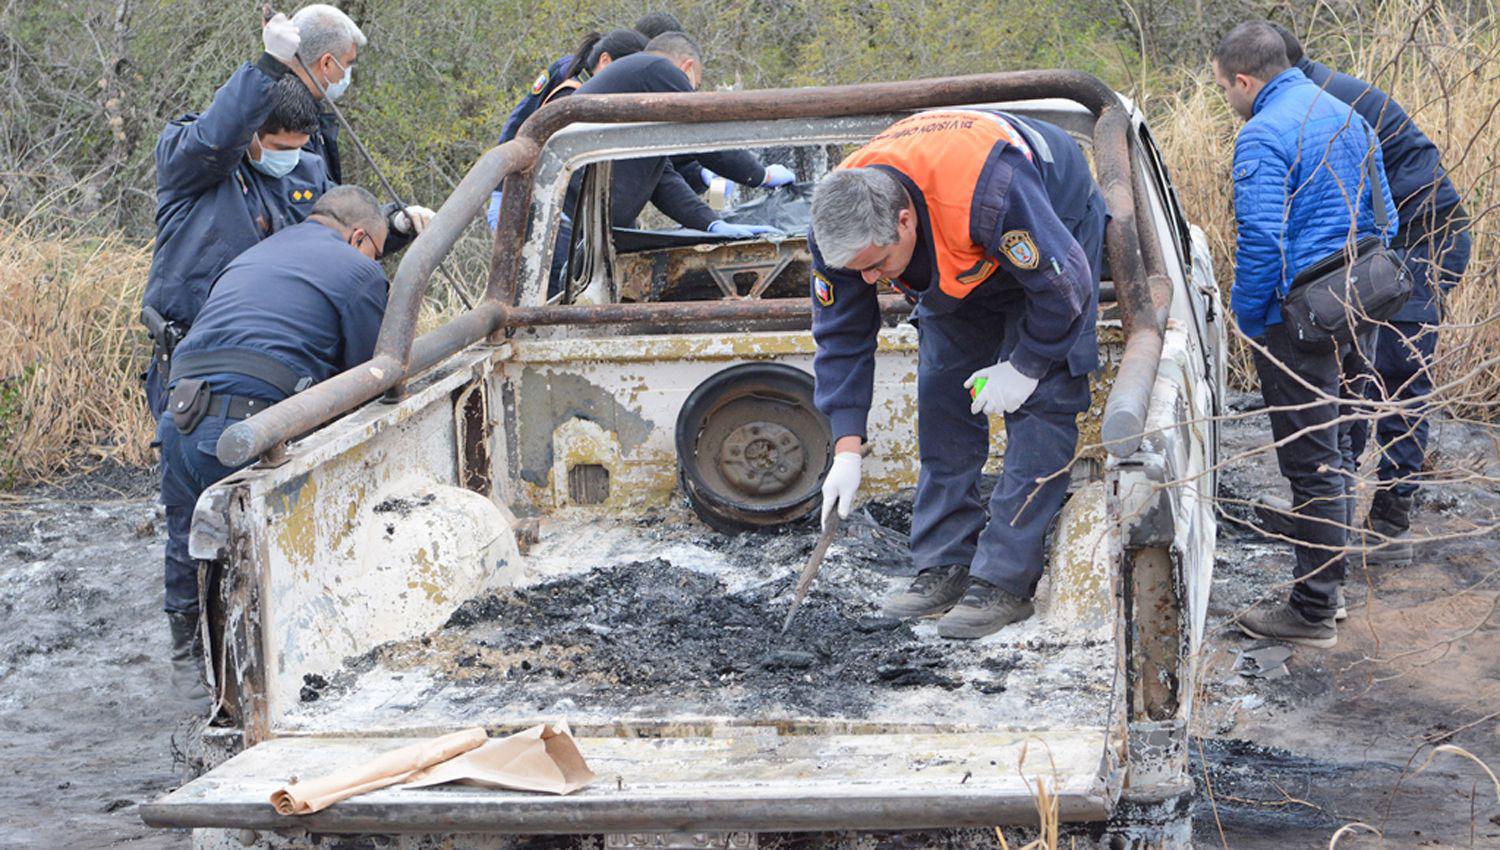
(1443, 66)
(70, 354)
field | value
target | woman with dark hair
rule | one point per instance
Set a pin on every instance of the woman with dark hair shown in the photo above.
(594, 54)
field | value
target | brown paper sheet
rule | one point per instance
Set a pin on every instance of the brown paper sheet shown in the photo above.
(543, 758)
(301, 798)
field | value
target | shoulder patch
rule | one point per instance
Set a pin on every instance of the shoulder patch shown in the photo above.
(301, 196)
(541, 82)
(1020, 249)
(822, 289)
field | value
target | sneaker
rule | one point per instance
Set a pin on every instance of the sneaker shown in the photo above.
(985, 609)
(1286, 624)
(933, 591)
(1275, 516)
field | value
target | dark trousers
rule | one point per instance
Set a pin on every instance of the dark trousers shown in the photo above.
(1318, 464)
(1403, 356)
(949, 524)
(188, 467)
(156, 390)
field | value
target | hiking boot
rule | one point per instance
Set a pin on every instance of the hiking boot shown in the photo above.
(1286, 624)
(1275, 516)
(933, 591)
(187, 662)
(1386, 536)
(985, 609)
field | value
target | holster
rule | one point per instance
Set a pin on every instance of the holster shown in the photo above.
(188, 403)
(165, 334)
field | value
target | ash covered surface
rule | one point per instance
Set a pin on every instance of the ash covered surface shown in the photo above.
(646, 632)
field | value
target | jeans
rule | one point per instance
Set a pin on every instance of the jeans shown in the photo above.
(188, 467)
(1318, 464)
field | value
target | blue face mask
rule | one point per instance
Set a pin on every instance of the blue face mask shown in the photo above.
(336, 90)
(277, 164)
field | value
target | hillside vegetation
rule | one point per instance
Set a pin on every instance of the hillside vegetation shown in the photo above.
(85, 87)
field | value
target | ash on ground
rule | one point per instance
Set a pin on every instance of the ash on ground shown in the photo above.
(662, 618)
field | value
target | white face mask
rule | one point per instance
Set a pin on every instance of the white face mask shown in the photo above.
(277, 164)
(336, 90)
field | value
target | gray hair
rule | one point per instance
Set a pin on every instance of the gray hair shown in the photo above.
(854, 208)
(351, 207)
(325, 29)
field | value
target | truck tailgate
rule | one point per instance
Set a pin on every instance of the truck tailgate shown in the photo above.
(744, 779)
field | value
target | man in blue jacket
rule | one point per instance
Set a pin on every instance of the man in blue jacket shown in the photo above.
(1301, 193)
(228, 178)
(1434, 242)
(295, 309)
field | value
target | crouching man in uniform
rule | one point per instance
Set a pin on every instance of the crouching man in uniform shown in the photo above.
(993, 225)
(293, 310)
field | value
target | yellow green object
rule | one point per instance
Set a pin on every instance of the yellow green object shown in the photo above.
(978, 387)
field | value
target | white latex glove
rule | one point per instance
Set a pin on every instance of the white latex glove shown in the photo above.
(740, 231)
(281, 38)
(841, 485)
(412, 216)
(1005, 389)
(778, 175)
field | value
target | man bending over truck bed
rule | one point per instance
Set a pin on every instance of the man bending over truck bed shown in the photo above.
(993, 226)
(293, 310)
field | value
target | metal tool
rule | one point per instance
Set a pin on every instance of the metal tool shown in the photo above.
(810, 571)
(267, 13)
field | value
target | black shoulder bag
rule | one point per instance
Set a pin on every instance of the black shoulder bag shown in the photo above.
(1336, 298)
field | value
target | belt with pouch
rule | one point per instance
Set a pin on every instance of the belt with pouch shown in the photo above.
(191, 401)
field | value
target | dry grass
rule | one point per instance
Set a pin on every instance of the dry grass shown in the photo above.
(70, 354)
(1446, 72)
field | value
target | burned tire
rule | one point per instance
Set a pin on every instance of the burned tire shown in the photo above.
(752, 449)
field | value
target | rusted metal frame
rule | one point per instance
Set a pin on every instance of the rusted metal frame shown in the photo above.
(516, 160)
(245, 673)
(387, 369)
(1138, 266)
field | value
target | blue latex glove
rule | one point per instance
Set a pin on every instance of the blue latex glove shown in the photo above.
(708, 176)
(740, 231)
(778, 175)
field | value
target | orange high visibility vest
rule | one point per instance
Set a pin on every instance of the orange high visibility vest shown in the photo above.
(944, 154)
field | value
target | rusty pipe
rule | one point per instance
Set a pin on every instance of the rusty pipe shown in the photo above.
(766, 104)
(679, 314)
(245, 440)
(515, 160)
(1130, 397)
(409, 285)
(248, 439)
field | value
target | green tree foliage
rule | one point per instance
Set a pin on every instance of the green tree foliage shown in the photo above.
(87, 85)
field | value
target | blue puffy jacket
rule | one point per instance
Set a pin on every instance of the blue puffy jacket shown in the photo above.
(1299, 170)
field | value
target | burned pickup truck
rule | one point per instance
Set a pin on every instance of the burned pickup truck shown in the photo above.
(591, 507)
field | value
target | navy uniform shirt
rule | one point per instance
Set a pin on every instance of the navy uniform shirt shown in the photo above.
(1048, 195)
(544, 85)
(303, 296)
(211, 204)
(647, 179)
(1425, 197)
(325, 144)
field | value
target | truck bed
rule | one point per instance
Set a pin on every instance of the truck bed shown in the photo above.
(651, 623)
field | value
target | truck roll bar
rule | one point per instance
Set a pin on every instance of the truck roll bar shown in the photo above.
(398, 355)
